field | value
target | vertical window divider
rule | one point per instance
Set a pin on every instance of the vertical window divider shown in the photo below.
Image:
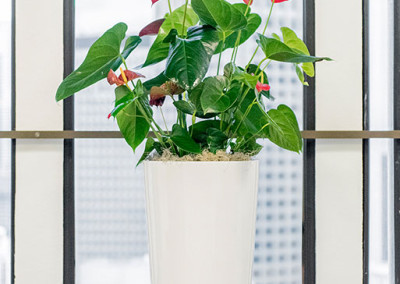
(396, 142)
(308, 242)
(365, 141)
(13, 141)
(69, 165)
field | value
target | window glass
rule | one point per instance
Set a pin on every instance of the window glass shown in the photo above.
(5, 145)
(110, 215)
(381, 245)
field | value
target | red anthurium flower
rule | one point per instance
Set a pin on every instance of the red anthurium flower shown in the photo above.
(130, 75)
(262, 87)
(247, 2)
(120, 80)
(109, 115)
(278, 1)
(153, 1)
(158, 94)
(152, 29)
(113, 79)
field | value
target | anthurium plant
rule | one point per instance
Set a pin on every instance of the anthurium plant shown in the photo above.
(225, 111)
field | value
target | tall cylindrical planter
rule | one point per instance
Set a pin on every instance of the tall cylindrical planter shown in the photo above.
(201, 221)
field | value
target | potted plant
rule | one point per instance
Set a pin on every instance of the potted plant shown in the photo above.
(201, 188)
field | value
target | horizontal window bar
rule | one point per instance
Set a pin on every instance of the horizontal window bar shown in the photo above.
(309, 134)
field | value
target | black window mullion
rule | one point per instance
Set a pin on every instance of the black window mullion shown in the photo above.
(365, 142)
(13, 141)
(308, 240)
(396, 125)
(69, 167)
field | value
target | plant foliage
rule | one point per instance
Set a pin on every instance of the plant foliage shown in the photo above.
(214, 111)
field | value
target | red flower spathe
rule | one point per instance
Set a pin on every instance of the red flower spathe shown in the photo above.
(278, 1)
(262, 87)
(119, 81)
(247, 2)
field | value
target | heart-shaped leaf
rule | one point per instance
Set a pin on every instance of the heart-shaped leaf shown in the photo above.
(199, 130)
(279, 51)
(159, 50)
(152, 29)
(216, 139)
(182, 139)
(219, 13)
(213, 98)
(189, 58)
(103, 55)
(290, 39)
(253, 22)
(283, 129)
(133, 124)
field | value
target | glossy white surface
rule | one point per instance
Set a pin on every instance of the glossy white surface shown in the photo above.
(201, 218)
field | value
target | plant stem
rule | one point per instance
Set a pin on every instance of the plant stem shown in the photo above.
(269, 62)
(169, 6)
(220, 54)
(170, 12)
(123, 61)
(165, 123)
(265, 29)
(251, 137)
(259, 64)
(245, 115)
(145, 115)
(184, 17)
(237, 42)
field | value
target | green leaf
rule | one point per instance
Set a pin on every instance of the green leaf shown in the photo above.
(248, 145)
(103, 55)
(185, 107)
(233, 94)
(290, 39)
(213, 98)
(133, 125)
(159, 50)
(219, 13)
(255, 122)
(147, 150)
(284, 129)
(122, 93)
(300, 75)
(279, 51)
(253, 22)
(246, 78)
(199, 130)
(182, 139)
(130, 44)
(216, 139)
(194, 99)
(275, 36)
(189, 58)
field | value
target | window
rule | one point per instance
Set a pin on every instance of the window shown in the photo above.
(5, 144)
(381, 171)
(111, 235)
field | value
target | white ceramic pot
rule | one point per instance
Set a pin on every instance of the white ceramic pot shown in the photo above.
(201, 221)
